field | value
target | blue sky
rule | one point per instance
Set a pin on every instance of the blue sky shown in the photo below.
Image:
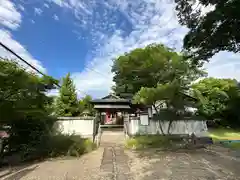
(83, 36)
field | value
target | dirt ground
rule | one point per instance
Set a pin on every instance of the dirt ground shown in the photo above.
(201, 164)
(112, 162)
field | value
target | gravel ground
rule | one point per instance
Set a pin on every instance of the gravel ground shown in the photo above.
(112, 162)
(84, 168)
(201, 164)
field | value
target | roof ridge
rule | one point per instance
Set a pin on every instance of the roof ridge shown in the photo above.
(112, 94)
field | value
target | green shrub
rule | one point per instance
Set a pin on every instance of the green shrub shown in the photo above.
(57, 145)
(71, 145)
(132, 144)
(60, 145)
(89, 146)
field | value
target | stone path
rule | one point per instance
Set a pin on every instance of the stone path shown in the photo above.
(114, 165)
(112, 162)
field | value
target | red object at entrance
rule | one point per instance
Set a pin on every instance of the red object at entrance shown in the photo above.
(108, 118)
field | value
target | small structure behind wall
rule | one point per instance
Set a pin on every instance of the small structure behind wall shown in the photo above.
(112, 110)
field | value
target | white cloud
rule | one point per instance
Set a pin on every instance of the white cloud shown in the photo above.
(203, 9)
(32, 21)
(150, 21)
(5, 36)
(61, 3)
(38, 11)
(58, 2)
(53, 92)
(97, 82)
(21, 7)
(147, 21)
(224, 65)
(46, 5)
(9, 16)
(55, 17)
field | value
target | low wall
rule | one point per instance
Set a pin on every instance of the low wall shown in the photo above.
(83, 126)
(199, 128)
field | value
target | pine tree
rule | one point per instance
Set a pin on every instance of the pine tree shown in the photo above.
(67, 102)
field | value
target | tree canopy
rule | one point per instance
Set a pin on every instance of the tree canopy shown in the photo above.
(147, 67)
(67, 102)
(22, 93)
(85, 104)
(28, 121)
(210, 32)
(157, 76)
(218, 99)
(24, 105)
(170, 95)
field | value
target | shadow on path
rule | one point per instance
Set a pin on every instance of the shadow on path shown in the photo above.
(19, 174)
(18, 171)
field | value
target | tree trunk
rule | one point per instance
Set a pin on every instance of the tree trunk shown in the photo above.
(169, 126)
(171, 120)
(159, 123)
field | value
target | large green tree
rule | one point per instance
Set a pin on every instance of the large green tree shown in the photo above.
(148, 67)
(22, 93)
(218, 99)
(210, 32)
(23, 105)
(67, 102)
(156, 75)
(169, 96)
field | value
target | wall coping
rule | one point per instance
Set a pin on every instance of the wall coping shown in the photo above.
(155, 120)
(76, 118)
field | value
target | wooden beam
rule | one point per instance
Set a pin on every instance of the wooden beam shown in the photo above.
(106, 106)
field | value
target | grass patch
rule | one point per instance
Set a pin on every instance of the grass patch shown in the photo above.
(224, 134)
(235, 146)
(152, 141)
(219, 135)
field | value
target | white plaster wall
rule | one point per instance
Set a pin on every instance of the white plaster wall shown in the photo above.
(199, 128)
(79, 126)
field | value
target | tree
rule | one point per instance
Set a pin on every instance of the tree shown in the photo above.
(210, 32)
(155, 74)
(85, 104)
(22, 93)
(148, 67)
(231, 114)
(218, 99)
(168, 98)
(164, 94)
(67, 102)
(23, 105)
